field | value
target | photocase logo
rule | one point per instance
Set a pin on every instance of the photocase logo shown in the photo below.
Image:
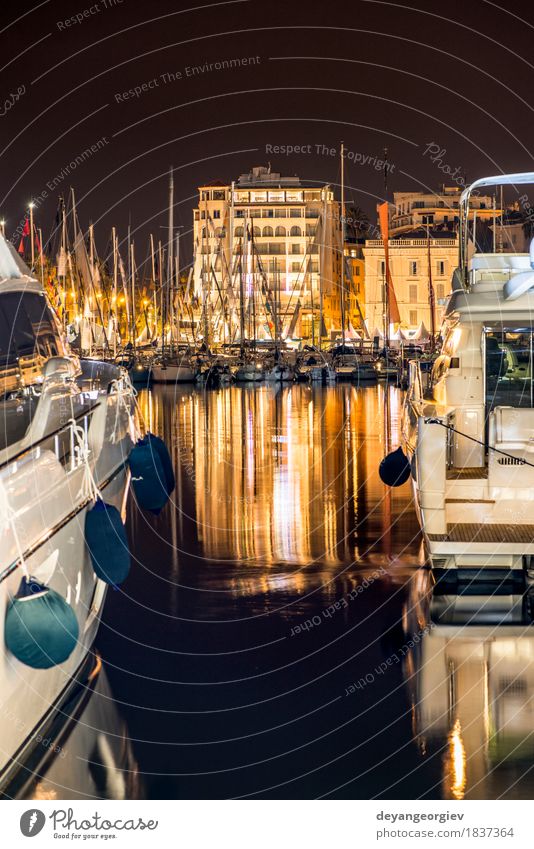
(32, 822)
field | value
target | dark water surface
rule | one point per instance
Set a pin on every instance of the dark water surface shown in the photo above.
(273, 639)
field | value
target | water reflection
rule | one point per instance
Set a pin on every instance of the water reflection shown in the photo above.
(472, 684)
(91, 757)
(271, 476)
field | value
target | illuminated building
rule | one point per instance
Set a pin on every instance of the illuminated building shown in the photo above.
(283, 235)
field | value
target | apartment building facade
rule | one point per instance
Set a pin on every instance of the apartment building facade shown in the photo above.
(268, 241)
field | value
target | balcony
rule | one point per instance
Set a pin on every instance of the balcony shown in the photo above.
(412, 243)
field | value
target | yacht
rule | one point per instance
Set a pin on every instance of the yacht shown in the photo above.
(62, 418)
(469, 436)
(251, 369)
(175, 367)
(279, 371)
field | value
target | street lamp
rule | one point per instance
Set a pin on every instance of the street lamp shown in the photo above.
(31, 206)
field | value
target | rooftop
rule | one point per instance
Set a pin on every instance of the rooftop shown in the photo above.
(261, 177)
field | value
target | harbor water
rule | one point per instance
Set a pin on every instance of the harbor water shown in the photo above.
(273, 639)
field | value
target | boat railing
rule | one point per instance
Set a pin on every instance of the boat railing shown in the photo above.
(61, 441)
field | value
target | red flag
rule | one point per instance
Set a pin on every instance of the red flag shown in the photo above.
(25, 232)
(383, 217)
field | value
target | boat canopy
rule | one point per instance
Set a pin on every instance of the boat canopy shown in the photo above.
(14, 273)
(518, 179)
(421, 334)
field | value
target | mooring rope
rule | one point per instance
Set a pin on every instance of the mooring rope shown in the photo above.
(519, 460)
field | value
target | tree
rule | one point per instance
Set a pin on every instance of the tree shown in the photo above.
(356, 223)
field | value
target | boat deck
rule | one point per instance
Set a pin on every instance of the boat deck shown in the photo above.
(486, 533)
(467, 473)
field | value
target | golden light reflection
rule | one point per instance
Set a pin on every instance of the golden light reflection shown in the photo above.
(273, 475)
(457, 762)
(43, 792)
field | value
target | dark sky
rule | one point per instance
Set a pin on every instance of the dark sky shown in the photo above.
(457, 75)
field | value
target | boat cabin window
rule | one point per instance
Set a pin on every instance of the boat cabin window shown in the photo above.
(509, 356)
(28, 337)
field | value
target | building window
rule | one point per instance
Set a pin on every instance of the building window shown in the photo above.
(280, 231)
(267, 213)
(413, 268)
(413, 293)
(428, 219)
(440, 291)
(218, 194)
(357, 271)
(295, 249)
(413, 318)
(295, 231)
(216, 213)
(382, 267)
(295, 267)
(267, 231)
(239, 232)
(441, 268)
(256, 231)
(295, 213)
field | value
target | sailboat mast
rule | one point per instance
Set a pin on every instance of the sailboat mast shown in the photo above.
(73, 211)
(153, 268)
(176, 291)
(242, 295)
(115, 280)
(132, 285)
(170, 257)
(343, 244)
(161, 297)
(322, 268)
(41, 256)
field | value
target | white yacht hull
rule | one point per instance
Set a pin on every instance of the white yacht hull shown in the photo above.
(249, 375)
(284, 374)
(43, 490)
(173, 374)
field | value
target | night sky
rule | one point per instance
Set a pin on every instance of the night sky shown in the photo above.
(456, 75)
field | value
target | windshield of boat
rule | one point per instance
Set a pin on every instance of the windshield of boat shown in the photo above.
(28, 337)
(508, 365)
